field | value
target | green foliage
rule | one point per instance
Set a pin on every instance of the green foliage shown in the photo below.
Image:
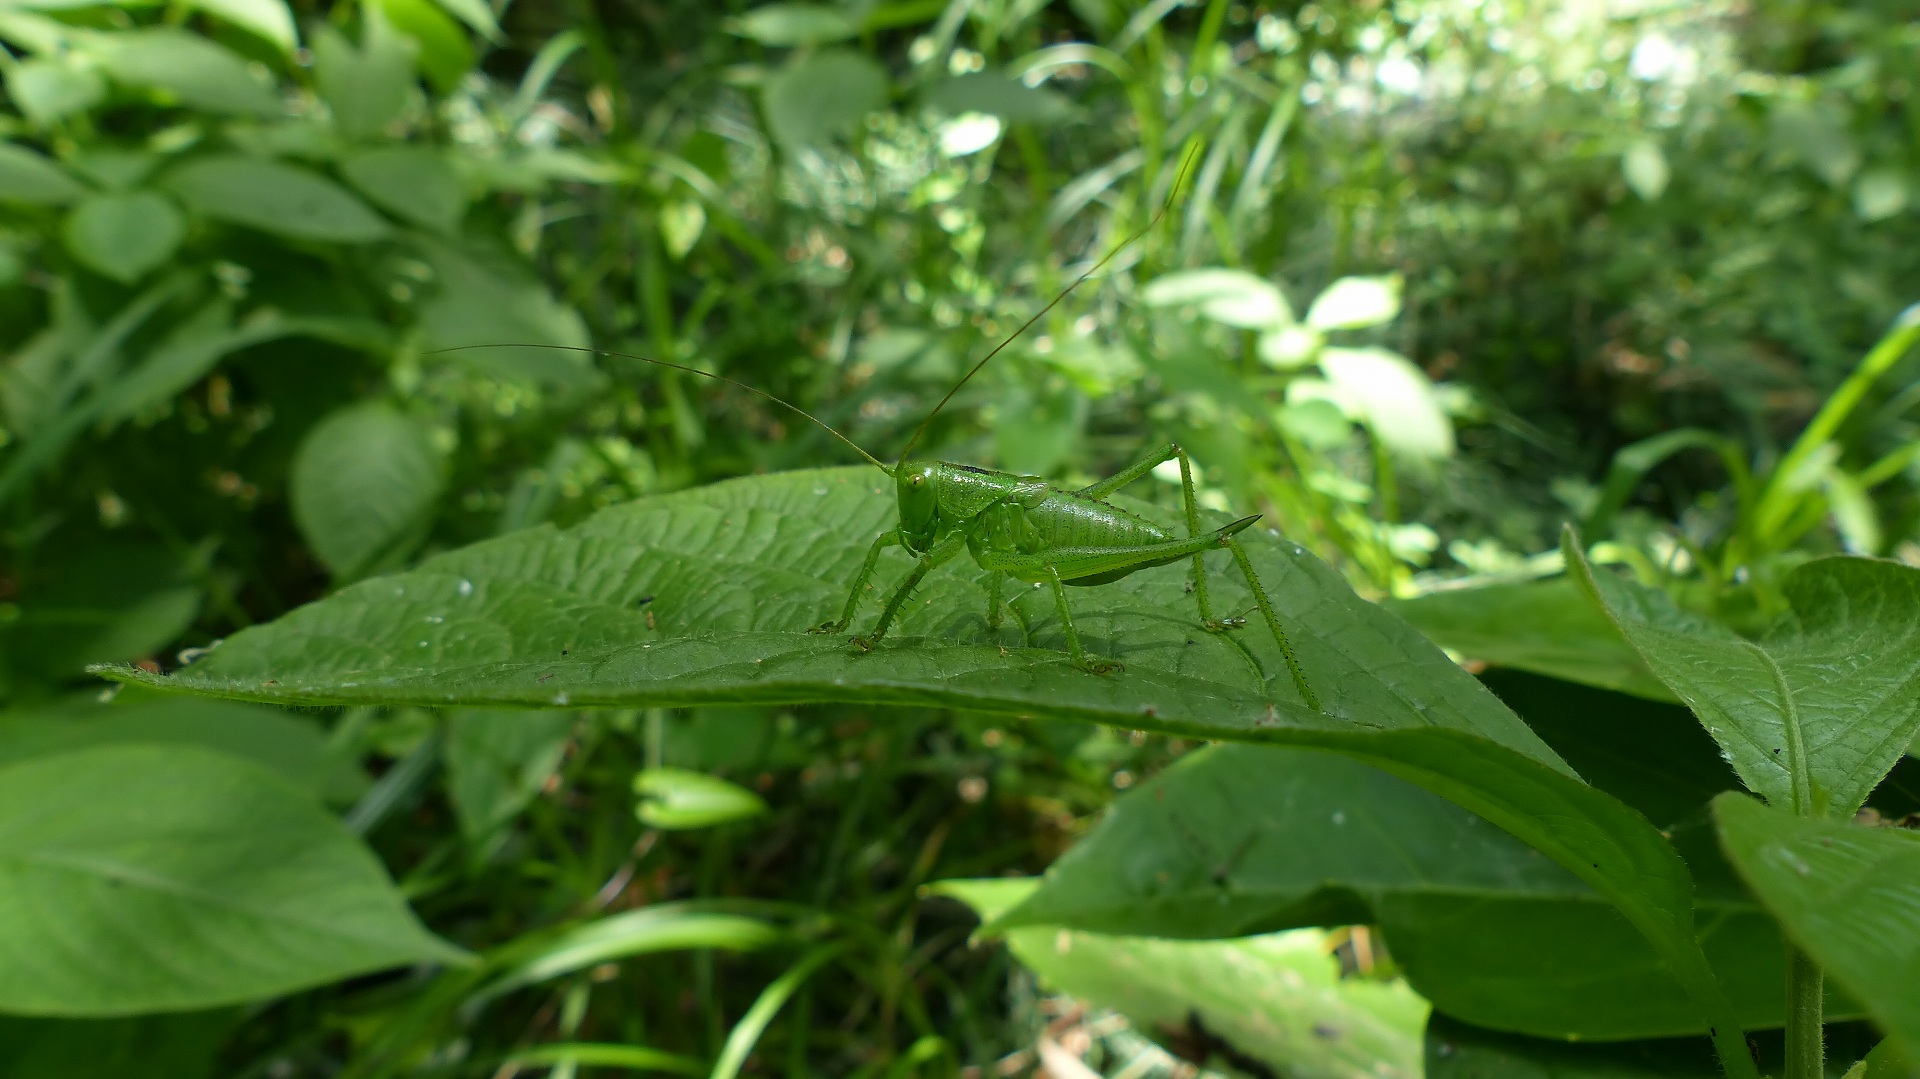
(1838, 891)
(229, 884)
(277, 286)
(1276, 1001)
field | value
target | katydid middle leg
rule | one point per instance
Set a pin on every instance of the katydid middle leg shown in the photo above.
(1172, 452)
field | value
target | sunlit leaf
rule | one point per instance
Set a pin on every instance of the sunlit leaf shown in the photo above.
(676, 798)
(1233, 297)
(1353, 303)
(365, 87)
(1395, 398)
(271, 19)
(1645, 168)
(1549, 627)
(49, 89)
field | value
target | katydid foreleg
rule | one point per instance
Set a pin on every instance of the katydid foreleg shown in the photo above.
(887, 539)
(941, 552)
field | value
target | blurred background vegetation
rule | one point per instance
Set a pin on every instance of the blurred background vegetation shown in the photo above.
(1435, 265)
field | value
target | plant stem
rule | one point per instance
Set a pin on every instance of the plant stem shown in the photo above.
(1805, 1051)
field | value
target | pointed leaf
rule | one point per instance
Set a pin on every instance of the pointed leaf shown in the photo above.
(275, 197)
(1233, 297)
(145, 878)
(1813, 715)
(793, 24)
(446, 52)
(271, 19)
(678, 798)
(365, 88)
(705, 595)
(49, 89)
(30, 176)
(1846, 894)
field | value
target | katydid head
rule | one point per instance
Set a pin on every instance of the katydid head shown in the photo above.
(919, 505)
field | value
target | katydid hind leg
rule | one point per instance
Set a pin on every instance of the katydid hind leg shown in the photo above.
(1192, 507)
(941, 553)
(1079, 654)
(1132, 472)
(994, 581)
(1273, 623)
(885, 540)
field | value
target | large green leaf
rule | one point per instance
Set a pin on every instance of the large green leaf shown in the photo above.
(1846, 894)
(1814, 714)
(1548, 627)
(138, 878)
(288, 744)
(275, 197)
(702, 596)
(1242, 839)
(413, 182)
(365, 88)
(1456, 1050)
(1277, 1000)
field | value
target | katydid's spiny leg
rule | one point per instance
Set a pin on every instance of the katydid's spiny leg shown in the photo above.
(1132, 472)
(1079, 654)
(942, 552)
(886, 539)
(993, 599)
(1172, 452)
(1212, 624)
(1273, 623)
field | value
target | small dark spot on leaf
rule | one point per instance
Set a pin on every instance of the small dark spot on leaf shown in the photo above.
(545, 678)
(643, 601)
(1322, 1030)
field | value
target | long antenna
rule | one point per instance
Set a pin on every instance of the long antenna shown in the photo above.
(1125, 243)
(823, 425)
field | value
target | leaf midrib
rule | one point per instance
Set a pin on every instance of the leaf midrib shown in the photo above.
(1799, 780)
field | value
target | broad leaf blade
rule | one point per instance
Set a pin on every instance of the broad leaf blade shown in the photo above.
(1547, 627)
(1846, 895)
(1813, 715)
(1237, 840)
(704, 595)
(195, 878)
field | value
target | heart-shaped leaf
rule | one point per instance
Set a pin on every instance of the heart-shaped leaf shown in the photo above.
(1815, 713)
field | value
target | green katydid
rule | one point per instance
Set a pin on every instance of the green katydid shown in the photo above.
(1030, 530)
